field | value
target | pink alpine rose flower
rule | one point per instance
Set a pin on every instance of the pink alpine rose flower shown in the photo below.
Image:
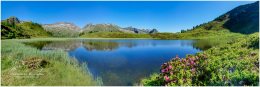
(167, 79)
(169, 67)
(163, 71)
(193, 69)
(171, 73)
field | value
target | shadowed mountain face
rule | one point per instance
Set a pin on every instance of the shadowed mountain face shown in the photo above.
(141, 31)
(243, 19)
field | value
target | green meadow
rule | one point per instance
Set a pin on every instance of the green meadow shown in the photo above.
(232, 62)
(25, 65)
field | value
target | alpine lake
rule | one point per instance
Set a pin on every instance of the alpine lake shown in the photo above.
(123, 61)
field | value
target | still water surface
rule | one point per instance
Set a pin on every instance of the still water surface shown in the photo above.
(122, 62)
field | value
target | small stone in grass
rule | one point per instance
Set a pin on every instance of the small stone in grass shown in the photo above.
(34, 63)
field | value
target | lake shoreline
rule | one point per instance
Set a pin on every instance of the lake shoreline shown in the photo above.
(55, 38)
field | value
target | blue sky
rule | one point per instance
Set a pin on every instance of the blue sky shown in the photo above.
(164, 16)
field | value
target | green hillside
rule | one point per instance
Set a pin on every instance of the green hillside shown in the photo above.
(13, 28)
(234, 63)
(239, 21)
(211, 29)
(100, 28)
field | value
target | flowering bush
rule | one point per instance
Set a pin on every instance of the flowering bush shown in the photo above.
(184, 71)
(181, 71)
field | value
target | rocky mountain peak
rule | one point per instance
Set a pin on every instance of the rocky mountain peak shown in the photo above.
(153, 31)
(12, 20)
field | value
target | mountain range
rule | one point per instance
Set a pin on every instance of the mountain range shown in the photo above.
(15, 28)
(91, 28)
(243, 19)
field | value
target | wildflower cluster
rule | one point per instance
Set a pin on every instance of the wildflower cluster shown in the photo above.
(181, 71)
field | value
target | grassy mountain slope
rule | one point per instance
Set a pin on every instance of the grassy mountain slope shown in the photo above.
(241, 20)
(211, 29)
(33, 29)
(101, 28)
(13, 28)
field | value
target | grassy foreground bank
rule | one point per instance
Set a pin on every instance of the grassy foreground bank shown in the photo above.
(234, 63)
(24, 65)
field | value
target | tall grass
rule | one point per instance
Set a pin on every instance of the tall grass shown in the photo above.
(59, 70)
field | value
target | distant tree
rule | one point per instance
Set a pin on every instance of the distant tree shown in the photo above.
(182, 31)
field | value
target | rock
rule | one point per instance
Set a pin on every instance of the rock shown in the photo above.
(34, 63)
(14, 20)
(153, 31)
(141, 31)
